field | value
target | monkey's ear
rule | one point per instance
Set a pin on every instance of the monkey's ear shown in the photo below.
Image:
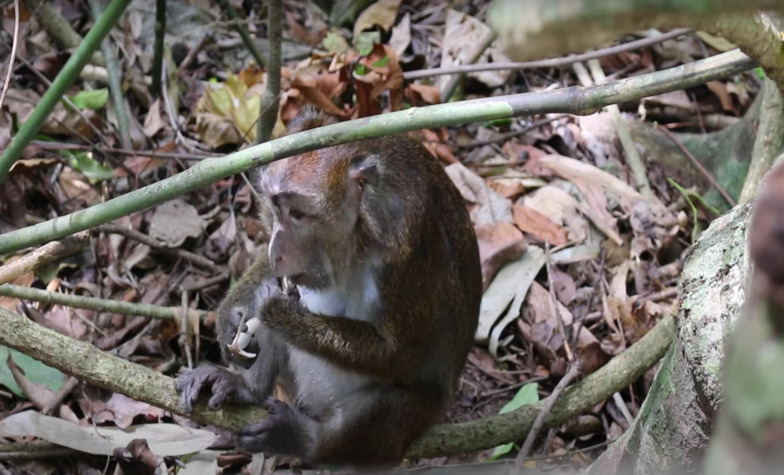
(364, 170)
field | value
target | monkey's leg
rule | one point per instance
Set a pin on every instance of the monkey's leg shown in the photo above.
(371, 427)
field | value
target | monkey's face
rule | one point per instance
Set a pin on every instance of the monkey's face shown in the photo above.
(316, 206)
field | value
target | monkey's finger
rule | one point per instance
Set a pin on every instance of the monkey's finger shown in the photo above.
(222, 391)
(253, 437)
(191, 384)
(183, 384)
(273, 405)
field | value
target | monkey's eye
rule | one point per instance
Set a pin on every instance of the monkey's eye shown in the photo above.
(296, 214)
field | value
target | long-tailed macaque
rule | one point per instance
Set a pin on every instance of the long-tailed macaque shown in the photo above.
(379, 245)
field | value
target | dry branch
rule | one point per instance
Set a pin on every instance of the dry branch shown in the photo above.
(92, 365)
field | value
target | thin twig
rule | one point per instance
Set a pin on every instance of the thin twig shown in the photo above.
(571, 374)
(548, 63)
(14, 46)
(510, 135)
(699, 166)
(244, 34)
(66, 100)
(192, 54)
(113, 72)
(624, 136)
(200, 261)
(554, 303)
(42, 255)
(119, 151)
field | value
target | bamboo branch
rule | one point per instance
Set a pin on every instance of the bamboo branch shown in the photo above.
(95, 303)
(574, 100)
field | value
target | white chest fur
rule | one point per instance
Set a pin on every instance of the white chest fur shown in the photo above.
(355, 298)
(320, 384)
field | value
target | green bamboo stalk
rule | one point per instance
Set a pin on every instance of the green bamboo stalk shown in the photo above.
(92, 303)
(573, 100)
(115, 87)
(62, 82)
(270, 100)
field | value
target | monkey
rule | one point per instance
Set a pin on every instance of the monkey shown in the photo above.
(379, 245)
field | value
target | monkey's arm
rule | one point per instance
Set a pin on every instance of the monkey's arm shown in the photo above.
(352, 344)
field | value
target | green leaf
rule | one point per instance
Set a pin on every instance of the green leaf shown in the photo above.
(34, 370)
(528, 394)
(93, 170)
(335, 43)
(360, 70)
(91, 99)
(759, 72)
(382, 62)
(364, 41)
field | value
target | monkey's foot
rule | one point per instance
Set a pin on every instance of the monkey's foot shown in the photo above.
(285, 431)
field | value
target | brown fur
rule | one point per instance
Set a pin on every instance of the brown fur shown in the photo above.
(387, 368)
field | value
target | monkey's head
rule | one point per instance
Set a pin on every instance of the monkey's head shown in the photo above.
(316, 198)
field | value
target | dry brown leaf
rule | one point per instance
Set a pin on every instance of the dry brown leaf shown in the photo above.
(654, 226)
(564, 285)
(24, 280)
(401, 35)
(382, 13)
(251, 75)
(540, 315)
(384, 74)
(538, 225)
(37, 393)
(137, 458)
(63, 320)
(319, 90)
(437, 147)
(508, 190)
(561, 207)
(720, 90)
(422, 94)
(174, 221)
(75, 186)
(593, 357)
(490, 206)
(153, 121)
(463, 34)
(572, 169)
(499, 243)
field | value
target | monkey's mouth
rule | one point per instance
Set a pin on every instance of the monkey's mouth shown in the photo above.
(298, 279)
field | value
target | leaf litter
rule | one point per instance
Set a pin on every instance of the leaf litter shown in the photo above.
(565, 185)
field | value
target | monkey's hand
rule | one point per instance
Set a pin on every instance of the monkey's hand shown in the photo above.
(226, 386)
(284, 431)
(278, 312)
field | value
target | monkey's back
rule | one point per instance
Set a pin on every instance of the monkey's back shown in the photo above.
(446, 255)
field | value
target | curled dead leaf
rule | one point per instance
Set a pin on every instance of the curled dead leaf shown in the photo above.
(538, 225)
(499, 243)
